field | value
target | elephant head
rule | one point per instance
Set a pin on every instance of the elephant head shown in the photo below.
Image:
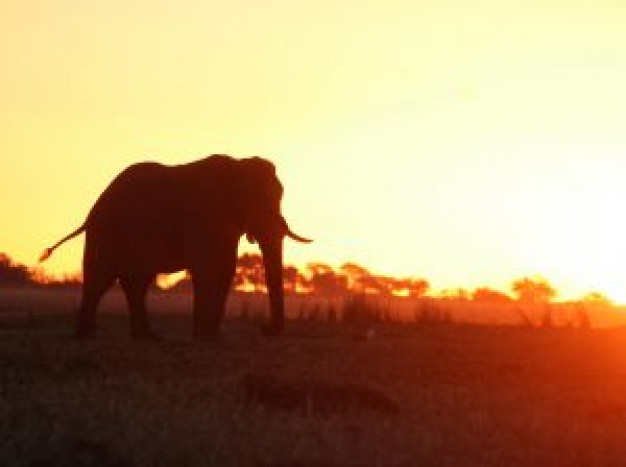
(258, 196)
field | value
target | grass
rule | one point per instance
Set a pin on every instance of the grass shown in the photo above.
(467, 395)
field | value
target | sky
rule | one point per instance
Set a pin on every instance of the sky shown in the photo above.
(466, 142)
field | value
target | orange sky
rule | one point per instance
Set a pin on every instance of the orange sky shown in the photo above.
(466, 142)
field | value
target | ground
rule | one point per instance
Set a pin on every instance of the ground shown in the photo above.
(466, 395)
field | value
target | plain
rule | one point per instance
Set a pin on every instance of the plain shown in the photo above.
(466, 394)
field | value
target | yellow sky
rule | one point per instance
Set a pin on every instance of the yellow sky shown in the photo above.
(466, 142)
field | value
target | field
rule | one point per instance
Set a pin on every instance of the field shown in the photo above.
(428, 393)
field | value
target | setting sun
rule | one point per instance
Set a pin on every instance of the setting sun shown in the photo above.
(465, 143)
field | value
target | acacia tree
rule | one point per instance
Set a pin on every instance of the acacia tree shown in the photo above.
(533, 290)
(325, 281)
(292, 278)
(487, 295)
(12, 273)
(250, 270)
(358, 278)
(406, 286)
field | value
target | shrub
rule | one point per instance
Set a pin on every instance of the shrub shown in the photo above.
(359, 311)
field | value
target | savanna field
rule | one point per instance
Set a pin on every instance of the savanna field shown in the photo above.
(343, 386)
(436, 186)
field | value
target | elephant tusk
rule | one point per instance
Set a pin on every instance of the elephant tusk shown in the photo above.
(297, 238)
(290, 234)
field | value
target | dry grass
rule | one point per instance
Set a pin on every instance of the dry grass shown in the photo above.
(466, 395)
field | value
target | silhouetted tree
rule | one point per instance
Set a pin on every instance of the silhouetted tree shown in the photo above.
(292, 278)
(458, 293)
(355, 276)
(361, 280)
(487, 295)
(238, 280)
(373, 284)
(325, 281)
(418, 287)
(596, 299)
(250, 270)
(12, 273)
(533, 291)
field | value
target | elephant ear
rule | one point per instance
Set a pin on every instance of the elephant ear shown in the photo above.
(260, 189)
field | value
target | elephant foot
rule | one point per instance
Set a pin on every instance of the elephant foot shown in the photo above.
(273, 329)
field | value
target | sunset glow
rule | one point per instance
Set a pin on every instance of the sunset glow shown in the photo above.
(468, 143)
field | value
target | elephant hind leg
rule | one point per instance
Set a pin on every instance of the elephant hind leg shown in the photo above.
(94, 287)
(135, 288)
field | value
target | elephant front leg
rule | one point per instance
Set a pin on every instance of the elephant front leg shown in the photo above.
(211, 290)
(207, 309)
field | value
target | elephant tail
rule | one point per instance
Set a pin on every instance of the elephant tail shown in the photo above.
(48, 251)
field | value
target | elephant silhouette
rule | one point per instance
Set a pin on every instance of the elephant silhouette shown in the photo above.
(154, 218)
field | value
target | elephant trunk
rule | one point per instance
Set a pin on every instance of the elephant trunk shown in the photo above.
(272, 248)
(273, 262)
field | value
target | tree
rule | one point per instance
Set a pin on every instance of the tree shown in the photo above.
(533, 290)
(250, 271)
(374, 284)
(416, 287)
(596, 299)
(325, 281)
(357, 276)
(458, 293)
(292, 278)
(487, 295)
(12, 273)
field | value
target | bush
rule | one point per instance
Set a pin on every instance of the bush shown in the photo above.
(359, 311)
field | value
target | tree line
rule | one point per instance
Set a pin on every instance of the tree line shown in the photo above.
(319, 279)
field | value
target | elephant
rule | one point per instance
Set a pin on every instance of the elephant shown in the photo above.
(154, 218)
